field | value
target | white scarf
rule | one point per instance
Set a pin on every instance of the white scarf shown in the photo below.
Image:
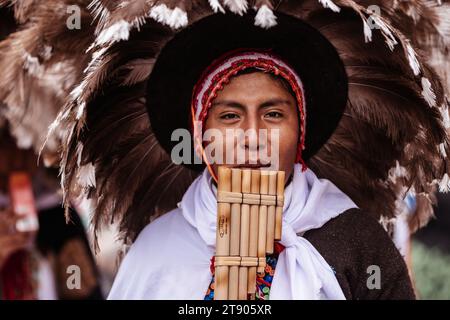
(171, 257)
(301, 272)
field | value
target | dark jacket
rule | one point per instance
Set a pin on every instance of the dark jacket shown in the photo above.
(352, 244)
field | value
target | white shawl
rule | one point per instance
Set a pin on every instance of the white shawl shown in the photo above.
(171, 257)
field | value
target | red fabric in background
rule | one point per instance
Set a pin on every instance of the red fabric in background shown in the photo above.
(17, 278)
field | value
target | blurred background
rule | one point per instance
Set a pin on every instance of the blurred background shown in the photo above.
(431, 254)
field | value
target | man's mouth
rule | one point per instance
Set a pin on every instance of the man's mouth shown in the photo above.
(252, 165)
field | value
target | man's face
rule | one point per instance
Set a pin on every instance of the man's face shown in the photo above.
(259, 103)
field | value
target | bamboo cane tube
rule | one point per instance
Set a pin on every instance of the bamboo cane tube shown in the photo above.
(279, 210)
(233, 284)
(271, 214)
(264, 189)
(253, 239)
(222, 236)
(245, 233)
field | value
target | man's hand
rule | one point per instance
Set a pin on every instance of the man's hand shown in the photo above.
(12, 240)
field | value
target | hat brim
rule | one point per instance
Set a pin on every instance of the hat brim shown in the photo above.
(188, 54)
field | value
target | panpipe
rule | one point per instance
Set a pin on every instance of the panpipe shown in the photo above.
(249, 221)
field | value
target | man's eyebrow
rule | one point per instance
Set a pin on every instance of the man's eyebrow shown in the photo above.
(228, 103)
(275, 102)
(265, 104)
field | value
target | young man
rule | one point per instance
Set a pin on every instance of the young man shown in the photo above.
(332, 261)
(341, 113)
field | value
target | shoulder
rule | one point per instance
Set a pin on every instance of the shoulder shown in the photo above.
(171, 233)
(352, 232)
(167, 226)
(162, 246)
(354, 243)
(352, 225)
(168, 229)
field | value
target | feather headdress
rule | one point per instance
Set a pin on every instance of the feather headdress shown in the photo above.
(392, 138)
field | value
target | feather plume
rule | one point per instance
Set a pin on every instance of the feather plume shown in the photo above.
(175, 18)
(40, 64)
(216, 6)
(237, 6)
(330, 4)
(265, 17)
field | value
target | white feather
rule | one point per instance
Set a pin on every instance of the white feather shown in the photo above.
(96, 58)
(367, 31)
(330, 4)
(428, 93)
(216, 6)
(412, 58)
(175, 18)
(444, 184)
(32, 65)
(160, 13)
(389, 37)
(442, 150)
(445, 116)
(138, 22)
(52, 127)
(80, 147)
(237, 6)
(117, 32)
(47, 52)
(265, 18)
(397, 172)
(77, 91)
(97, 55)
(66, 114)
(80, 111)
(86, 176)
(99, 12)
(178, 18)
(385, 222)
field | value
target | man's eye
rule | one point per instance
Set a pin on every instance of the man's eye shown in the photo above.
(229, 116)
(274, 114)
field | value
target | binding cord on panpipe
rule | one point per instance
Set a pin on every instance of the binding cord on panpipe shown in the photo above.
(249, 218)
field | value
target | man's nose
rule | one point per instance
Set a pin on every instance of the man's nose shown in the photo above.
(254, 138)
